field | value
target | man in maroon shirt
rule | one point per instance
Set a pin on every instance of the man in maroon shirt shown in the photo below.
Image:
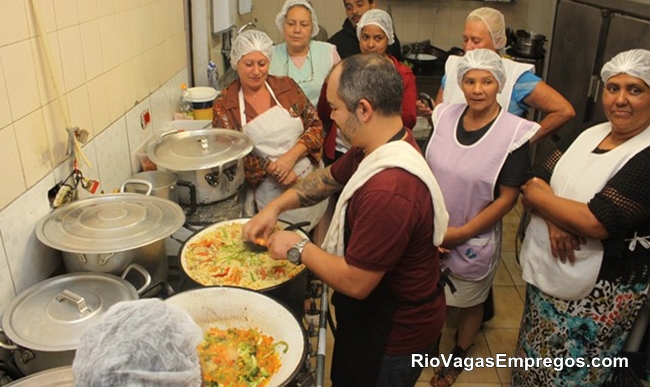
(389, 309)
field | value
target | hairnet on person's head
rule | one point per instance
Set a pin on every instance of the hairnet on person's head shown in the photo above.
(495, 23)
(140, 343)
(482, 59)
(633, 62)
(380, 19)
(250, 41)
(282, 15)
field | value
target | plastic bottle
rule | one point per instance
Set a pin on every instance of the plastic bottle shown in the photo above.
(185, 103)
(213, 75)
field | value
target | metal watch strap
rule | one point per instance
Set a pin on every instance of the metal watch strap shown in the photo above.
(300, 246)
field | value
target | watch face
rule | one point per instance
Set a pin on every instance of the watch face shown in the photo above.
(293, 255)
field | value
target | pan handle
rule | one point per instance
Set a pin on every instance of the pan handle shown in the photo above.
(141, 270)
(137, 182)
(7, 346)
(295, 226)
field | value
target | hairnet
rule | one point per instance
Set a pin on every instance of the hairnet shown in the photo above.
(250, 41)
(379, 18)
(495, 23)
(482, 59)
(282, 15)
(633, 62)
(140, 343)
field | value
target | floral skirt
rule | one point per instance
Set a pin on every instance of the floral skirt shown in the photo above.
(593, 327)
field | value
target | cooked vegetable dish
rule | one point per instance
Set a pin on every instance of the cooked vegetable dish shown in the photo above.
(219, 257)
(239, 357)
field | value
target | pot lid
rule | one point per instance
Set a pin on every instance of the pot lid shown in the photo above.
(110, 223)
(53, 314)
(202, 94)
(53, 377)
(199, 149)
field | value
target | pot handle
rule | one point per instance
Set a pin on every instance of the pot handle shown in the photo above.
(137, 182)
(192, 188)
(213, 178)
(7, 346)
(75, 298)
(141, 270)
(102, 258)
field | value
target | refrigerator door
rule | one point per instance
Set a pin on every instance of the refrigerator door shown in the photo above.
(625, 33)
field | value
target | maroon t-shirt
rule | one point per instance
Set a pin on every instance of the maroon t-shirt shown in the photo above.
(390, 220)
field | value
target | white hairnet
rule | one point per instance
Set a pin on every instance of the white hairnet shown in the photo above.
(633, 62)
(282, 15)
(250, 41)
(482, 59)
(140, 343)
(379, 18)
(495, 23)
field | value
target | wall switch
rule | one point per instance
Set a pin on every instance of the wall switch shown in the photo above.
(145, 118)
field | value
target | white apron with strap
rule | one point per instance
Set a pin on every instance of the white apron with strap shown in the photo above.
(274, 132)
(452, 92)
(579, 175)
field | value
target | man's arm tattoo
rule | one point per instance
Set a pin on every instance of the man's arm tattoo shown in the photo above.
(316, 187)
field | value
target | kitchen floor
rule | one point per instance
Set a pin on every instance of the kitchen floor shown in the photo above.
(497, 336)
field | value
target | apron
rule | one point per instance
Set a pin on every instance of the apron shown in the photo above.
(274, 132)
(578, 175)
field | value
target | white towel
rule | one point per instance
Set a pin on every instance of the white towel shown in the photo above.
(395, 154)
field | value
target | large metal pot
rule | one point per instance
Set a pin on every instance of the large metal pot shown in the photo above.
(423, 64)
(290, 292)
(230, 307)
(45, 322)
(529, 44)
(161, 184)
(107, 233)
(211, 159)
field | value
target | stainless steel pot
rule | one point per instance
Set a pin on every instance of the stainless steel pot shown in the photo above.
(211, 159)
(290, 292)
(45, 322)
(529, 44)
(230, 307)
(107, 233)
(161, 184)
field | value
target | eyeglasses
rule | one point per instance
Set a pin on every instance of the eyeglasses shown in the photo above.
(311, 65)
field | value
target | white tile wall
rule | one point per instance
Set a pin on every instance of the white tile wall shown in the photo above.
(113, 59)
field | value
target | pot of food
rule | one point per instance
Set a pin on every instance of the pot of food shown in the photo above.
(109, 232)
(529, 44)
(161, 184)
(211, 159)
(217, 256)
(44, 322)
(252, 322)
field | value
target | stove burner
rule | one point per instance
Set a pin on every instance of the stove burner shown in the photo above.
(207, 214)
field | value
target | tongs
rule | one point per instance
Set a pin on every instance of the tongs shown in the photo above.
(259, 244)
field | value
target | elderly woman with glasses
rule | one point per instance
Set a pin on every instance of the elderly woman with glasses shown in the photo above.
(300, 57)
(586, 254)
(275, 113)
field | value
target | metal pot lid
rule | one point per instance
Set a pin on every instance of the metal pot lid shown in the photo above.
(53, 314)
(110, 223)
(54, 377)
(199, 149)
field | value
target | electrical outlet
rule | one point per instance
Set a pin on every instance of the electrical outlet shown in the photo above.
(145, 119)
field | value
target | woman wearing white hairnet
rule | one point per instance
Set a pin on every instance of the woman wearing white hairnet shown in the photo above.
(375, 34)
(479, 154)
(143, 343)
(586, 254)
(275, 113)
(485, 28)
(305, 60)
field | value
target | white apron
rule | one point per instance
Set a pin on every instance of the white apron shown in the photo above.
(452, 92)
(274, 132)
(579, 175)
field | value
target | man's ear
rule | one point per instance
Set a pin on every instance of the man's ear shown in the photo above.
(373, 5)
(364, 110)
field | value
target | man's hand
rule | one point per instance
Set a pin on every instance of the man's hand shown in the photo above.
(261, 225)
(280, 242)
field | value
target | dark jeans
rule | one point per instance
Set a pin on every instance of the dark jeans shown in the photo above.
(397, 371)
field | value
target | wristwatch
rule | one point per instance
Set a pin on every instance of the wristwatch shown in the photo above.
(294, 254)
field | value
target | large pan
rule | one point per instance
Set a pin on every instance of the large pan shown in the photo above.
(290, 292)
(231, 307)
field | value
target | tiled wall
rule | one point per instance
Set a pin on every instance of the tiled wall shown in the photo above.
(114, 59)
(441, 21)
